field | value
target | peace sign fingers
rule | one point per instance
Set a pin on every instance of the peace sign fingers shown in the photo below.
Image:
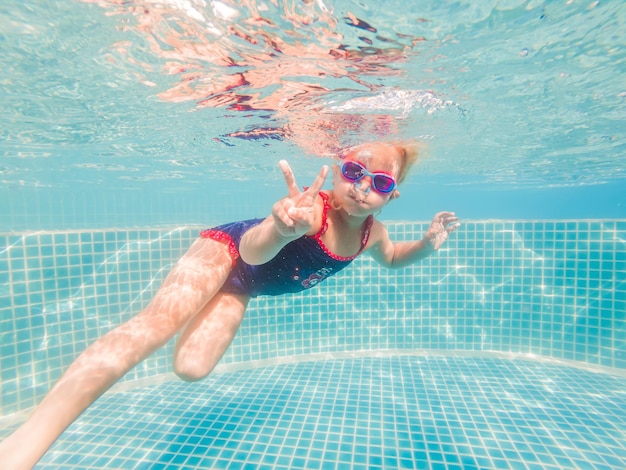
(315, 188)
(295, 214)
(292, 186)
(289, 178)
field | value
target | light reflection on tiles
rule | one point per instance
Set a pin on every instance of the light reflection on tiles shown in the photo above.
(553, 289)
(364, 412)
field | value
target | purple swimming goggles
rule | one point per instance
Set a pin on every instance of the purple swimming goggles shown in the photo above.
(381, 182)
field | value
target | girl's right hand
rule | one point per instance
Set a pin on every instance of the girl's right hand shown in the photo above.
(294, 215)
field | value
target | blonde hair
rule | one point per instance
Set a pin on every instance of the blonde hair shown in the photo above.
(408, 152)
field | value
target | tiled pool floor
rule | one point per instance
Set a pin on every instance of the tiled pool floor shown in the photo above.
(362, 412)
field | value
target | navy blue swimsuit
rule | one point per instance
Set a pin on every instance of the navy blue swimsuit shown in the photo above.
(301, 264)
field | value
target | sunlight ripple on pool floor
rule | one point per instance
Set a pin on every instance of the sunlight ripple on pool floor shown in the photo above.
(363, 412)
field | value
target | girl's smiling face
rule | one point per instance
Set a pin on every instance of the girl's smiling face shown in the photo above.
(359, 198)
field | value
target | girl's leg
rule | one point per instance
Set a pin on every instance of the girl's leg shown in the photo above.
(208, 334)
(193, 281)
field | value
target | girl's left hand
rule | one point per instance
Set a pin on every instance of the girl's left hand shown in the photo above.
(443, 224)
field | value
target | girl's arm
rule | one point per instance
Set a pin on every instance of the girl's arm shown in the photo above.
(292, 217)
(398, 255)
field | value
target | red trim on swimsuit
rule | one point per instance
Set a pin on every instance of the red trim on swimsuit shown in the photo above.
(220, 236)
(318, 236)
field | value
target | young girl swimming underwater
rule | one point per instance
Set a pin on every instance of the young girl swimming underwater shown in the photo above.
(309, 236)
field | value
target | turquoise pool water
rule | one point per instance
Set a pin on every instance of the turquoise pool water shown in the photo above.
(387, 411)
(127, 127)
(507, 350)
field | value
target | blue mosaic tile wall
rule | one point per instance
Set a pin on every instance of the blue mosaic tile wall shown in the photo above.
(550, 288)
